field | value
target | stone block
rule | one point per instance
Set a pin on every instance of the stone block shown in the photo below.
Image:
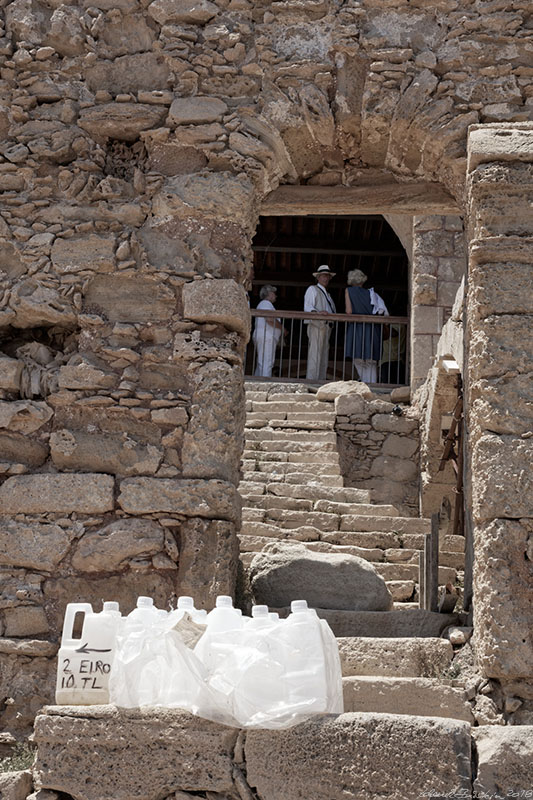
(20, 449)
(399, 446)
(499, 142)
(122, 121)
(34, 546)
(427, 319)
(424, 290)
(501, 407)
(184, 12)
(395, 658)
(125, 299)
(193, 498)
(214, 196)
(446, 293)
(331, 391)
(109, 549)
(502, 585)
(349, 403)
(500, 288)
(328, 758)
(41, 494)
(24, 416)
(129, 757)
(79, 373)
(390, 423)
(504, 483)
(501, 345)
(10, 373)
(208, 560)
(15, 785)
(223, 302)
(284, 572)
(194, 110)
(93, 252)
(504, 760)
(397, 469)
(131, 72)
(25, 621)
(390, 624)
(75, 450)
(425, 697)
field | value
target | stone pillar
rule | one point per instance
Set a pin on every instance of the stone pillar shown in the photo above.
(500, 358)
(438, 265)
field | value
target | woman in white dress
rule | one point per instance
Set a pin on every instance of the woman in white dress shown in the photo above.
(267, 333)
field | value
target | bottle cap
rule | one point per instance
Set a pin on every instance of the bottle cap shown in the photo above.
(111, 605)
(145, 602)
(224, 601)
(185, 602)
(260, 611)
(299, 605)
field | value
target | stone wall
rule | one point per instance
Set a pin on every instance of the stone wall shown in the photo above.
(137, 142)
(378, 450)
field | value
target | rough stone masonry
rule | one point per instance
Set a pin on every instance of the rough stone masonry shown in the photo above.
(138, 140)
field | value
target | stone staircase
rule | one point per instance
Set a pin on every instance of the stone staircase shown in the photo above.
(293, 490)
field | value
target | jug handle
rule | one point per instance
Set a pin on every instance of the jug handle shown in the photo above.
(70, 614)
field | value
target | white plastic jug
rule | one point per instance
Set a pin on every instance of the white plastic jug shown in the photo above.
(84, 664)
(186, 605)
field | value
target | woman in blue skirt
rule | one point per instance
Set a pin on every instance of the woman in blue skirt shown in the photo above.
(363, 339)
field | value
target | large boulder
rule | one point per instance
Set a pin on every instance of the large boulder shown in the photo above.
(283, 572)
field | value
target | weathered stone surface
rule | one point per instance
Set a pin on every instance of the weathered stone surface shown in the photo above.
(201, 759)
(284, 572)
(212, 443)
(332, 391)
(144, 71)
(80, 373)
(93, 252)
(504, 760)
(20, 449)
(10, 372)
(15, 785)
(110, 548)
(502, 632)
(27, 647)
(35, 546)
(393, 424)
(30, 683)
(192, 498)
(25, 621)
(125, 299)
(410, 757)
(188, 12)
(425, 697)
(123, 121)
(25, 416)
(406, 658)
(507, 457)
(195, 110)
(504, 143)
(208, 560)
(115, 454)
(35, 494)
(215, 195)
(412, 622)
(223, 302)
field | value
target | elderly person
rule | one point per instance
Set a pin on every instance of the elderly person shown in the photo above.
(363, 339)
(267, 333)
(317, 300)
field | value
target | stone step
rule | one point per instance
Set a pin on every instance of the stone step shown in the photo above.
(425, 697)
(325, 437)
(400, 624)
(270, 501)
(300, 397)
(302, 425)
(345, 497)
(303, 457)
(291, 469)
(356, 507)
(452, 544)
(289, 446)
(291, 478)
(355, 522)
(405, 572)
(394, 658)
(287, 405)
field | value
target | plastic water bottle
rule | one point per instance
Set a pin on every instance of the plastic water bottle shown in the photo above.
(84, 664)
(186, 605)
(306, 672)
(224, 617)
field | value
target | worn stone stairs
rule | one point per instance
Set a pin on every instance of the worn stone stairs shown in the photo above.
(292, 490)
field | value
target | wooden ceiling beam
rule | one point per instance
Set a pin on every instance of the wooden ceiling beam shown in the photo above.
(418, 199)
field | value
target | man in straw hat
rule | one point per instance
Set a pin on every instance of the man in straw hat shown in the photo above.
(317, 300)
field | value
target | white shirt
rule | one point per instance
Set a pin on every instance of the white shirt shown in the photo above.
(317, 299)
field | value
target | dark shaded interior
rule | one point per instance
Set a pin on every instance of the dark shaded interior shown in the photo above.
(287, 250)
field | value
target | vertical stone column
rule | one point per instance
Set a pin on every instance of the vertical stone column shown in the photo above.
(438, 266)
(500, 402)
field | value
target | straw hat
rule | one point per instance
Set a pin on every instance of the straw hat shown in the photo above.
(323, 270)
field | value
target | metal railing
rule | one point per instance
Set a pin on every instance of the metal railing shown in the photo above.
(354, 347)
